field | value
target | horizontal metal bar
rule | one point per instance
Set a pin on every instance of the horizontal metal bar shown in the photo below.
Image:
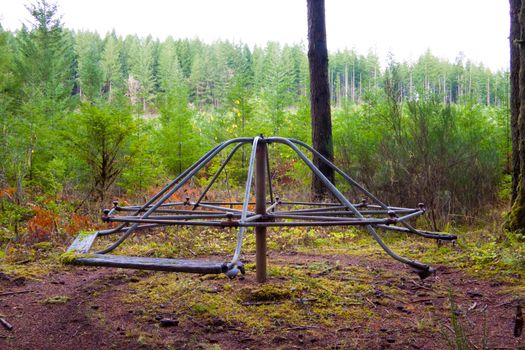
(348, 213)
(225, 203)
(230, 210)
(180, 217)
(362, 222)
(183, 211)
(311, 217)
(316, 209)
(177, 222)
(309, 203)
(112, 231)
(234, 223)
(426, 234)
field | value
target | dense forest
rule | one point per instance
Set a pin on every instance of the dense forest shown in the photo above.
(90, 117)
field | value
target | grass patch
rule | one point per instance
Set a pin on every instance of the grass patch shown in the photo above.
(57, 299)
(295, 296)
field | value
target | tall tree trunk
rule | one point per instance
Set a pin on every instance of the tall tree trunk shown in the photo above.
(514, 93)
(319, 93)
(516, 219)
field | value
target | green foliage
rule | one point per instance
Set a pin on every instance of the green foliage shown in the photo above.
(144, 109)
(8, 87)
(448, 156)
(141, 81)
(144, 166)
(112, 67)
(44, 61)
(12, 217)
(176, 146)
(100, 138)
(90, 74)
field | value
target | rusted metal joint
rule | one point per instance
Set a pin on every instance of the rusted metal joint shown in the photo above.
(392, 217)
(229, 222)
(266, 218)
(105, 215)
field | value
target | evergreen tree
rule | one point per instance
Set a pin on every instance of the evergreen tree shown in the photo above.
(7, 97)
(100, 137)
(141, 70)
(44, 65)
(90, 74)
(112, 67)
(241, 89)
(178, 144)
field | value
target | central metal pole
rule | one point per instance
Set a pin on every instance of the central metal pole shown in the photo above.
(260, 208)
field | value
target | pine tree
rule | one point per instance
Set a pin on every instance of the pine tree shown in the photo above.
(112, 67)
(141, 69)
(44, 65)
(178, 144)
(90, 74)
(100, 138)
(7, 97)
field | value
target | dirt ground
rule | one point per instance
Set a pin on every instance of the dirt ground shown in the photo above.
(83, 308)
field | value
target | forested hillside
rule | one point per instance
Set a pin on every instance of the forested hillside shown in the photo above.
(90, 117)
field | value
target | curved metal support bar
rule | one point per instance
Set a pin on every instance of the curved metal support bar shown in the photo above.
(164, 189)
(269, 175)
(247, 191)
(138, 209)
(351, 181)
(342, 199)
(341, 172)
(168, 193)
(217, 173)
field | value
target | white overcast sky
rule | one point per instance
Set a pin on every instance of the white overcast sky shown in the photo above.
(478, 28)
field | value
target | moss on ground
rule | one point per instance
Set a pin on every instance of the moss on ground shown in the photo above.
(57, 299)
(293, 297)
(69, 258)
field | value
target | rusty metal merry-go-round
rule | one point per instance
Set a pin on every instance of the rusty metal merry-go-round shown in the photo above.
(269, 211)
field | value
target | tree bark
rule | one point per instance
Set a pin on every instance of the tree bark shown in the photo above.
(514, 93)
(319, 94)
(516, 218)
